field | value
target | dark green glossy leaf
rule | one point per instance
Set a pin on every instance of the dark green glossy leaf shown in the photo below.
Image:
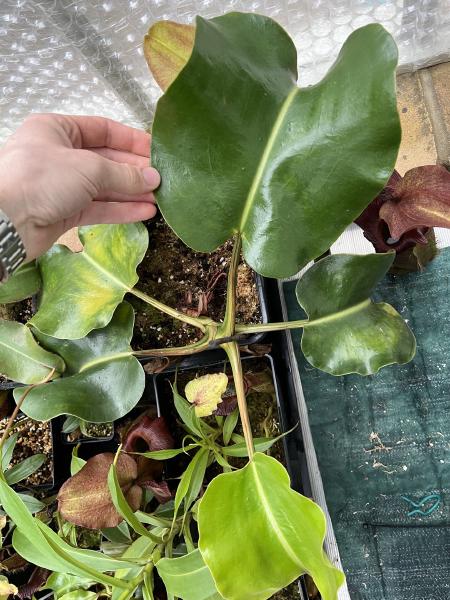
(188, 577)
(255, 154)
(25, 468)
(81, 290)
(21, 357)
(22, 284)
(348, 333)
(276, 534)
(102, 381)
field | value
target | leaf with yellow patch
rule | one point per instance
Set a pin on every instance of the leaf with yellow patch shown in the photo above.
(167, 48)
(81, 290)
(205, 393)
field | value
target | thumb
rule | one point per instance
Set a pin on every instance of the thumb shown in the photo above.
(124, 178)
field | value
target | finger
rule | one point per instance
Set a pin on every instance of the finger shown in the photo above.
(117, 212)
(115, 197)
(109, 176)
(122, 157)
(98, 132)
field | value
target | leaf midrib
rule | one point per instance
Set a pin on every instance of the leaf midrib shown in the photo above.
(108, 274)
(250, 200)
(271, 518)
(27, 356)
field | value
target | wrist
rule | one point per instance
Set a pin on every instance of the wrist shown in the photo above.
(12, 249)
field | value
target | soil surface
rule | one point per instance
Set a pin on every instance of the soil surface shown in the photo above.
(187, 280)
(93, 431)
(34, 438)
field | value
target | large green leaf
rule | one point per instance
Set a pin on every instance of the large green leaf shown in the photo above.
(81, 290)
(276, 533)
(102, 381)
(188, 577)
(21, 357)
(242, 149)
(349, 333)
(22, 284)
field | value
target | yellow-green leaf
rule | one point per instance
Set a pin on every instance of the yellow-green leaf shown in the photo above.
(276, 533)
(81, 290)
(205, 392)
(167, 48)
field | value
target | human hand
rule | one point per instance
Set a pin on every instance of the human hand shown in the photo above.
(58, 172)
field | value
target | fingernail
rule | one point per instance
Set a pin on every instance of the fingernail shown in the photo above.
(152, 177)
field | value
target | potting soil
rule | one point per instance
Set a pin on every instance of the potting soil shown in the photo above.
(383, 447)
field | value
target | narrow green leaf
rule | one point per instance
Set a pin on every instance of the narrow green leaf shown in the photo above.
(188, 577)
(24, 469)
(124, 509)
(141, 548)
(153, 519)
(8, 449)
(191, 480)
(119, 534)
(21, 357)
(280, 533)
(187, 414)
(261, 445)
(91, 283)
(229, 425)
(70, 424)
(166, 454)
(347, 332)
(22, 284)
(76, 463)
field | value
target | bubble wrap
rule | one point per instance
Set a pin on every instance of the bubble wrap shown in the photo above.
(85, 56)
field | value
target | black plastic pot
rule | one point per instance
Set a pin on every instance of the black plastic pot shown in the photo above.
(85, 439)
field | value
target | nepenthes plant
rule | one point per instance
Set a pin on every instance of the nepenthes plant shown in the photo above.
(245, 154)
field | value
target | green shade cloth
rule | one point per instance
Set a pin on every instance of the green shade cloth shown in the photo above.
(384, 438)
